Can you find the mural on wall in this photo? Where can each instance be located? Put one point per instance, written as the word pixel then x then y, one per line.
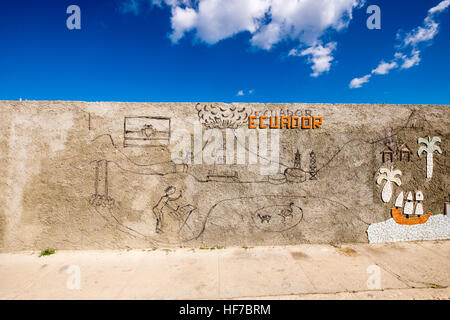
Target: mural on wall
pixel 222 116
pixel 177 216
pixel 146 131
pixel 219 202
pixel 272 216
pixel 278 218
pixel 116 181
pixel 409 221
pixel 403 153
pixel 110 209
pixel 412 211
pixel 429 147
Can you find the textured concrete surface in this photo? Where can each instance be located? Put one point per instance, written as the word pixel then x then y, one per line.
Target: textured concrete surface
pixel 414 270
pixel 98 175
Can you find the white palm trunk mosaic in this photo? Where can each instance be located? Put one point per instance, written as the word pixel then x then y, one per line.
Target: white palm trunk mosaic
pixel 390 175
pixel 429 147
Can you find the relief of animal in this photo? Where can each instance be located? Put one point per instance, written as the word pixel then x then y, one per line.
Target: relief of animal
pixel 265 218
pixel 287 212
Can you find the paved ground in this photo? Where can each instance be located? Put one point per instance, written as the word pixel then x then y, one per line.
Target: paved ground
pixel 415 270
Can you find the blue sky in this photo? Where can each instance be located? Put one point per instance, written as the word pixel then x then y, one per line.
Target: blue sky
pixel 227 51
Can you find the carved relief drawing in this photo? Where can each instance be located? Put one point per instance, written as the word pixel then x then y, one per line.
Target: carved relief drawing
pixel 195 174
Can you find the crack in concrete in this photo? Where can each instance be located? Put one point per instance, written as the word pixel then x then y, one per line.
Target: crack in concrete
pixel 407 282
pixel 435 252
pixel 307 278
pixel 334 292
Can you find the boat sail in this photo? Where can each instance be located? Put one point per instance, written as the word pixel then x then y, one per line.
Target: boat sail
pixel 419 209
pixel 419 206
pixel 399 200
pixel 411 207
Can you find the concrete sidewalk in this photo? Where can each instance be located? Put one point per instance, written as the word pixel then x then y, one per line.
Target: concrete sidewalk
pixel 415 270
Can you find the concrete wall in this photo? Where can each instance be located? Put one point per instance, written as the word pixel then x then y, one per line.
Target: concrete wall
pixel 78 175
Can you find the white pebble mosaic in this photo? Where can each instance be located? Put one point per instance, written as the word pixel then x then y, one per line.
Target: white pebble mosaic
pixel 436 228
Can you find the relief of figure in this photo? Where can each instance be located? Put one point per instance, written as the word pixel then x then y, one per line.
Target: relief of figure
pixel 101 197
pixel 167 207
pixel 162 203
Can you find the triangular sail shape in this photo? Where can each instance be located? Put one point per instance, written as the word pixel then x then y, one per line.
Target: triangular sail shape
pixel 419 196
pixel 399 200
pixel 409 208
pixel 419 209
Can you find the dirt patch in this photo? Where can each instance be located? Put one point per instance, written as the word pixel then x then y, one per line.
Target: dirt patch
pixel 297 255
pixel 349 252
pixel 200 287
pixel 397 247
pixel 375 250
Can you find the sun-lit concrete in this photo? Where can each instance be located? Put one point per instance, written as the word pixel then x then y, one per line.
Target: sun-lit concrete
pixel 415 270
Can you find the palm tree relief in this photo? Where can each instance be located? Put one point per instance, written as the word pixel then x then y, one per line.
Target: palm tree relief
pixel 429 147
pixel 390 175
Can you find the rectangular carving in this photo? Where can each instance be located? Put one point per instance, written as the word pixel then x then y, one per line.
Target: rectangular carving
pixel 146 131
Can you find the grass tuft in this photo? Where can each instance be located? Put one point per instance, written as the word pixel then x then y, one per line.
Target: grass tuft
pixel 47 252
pixel 212 248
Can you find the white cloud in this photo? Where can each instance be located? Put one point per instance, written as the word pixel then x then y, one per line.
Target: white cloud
pixel 411 61
pixel 440 7
pixel 412 40
pixel 384 67
pixel 319 56
pixel 358 82
pixel 182 20
pixel 421 34
pixel 430 27
pixel 242 92
pixel 268 22
pixel 215 20
pixel 293 52
pixel 304 21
